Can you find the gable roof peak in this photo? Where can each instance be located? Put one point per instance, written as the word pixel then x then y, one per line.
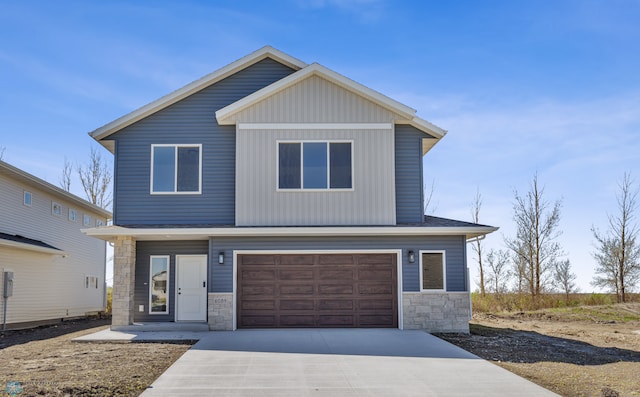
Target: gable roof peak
pixel 193 87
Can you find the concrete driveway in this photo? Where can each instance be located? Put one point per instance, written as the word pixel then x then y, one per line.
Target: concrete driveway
pixel 334 362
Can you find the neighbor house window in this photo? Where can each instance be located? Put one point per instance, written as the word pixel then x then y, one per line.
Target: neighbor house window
pixel 73 215
pixel 27 199
pixel 99 223
pixel 159 285
pixel 176 169
pixel 432 271
pixel 86 220
pixel 314 165
pixel 56 209
pixel 91 282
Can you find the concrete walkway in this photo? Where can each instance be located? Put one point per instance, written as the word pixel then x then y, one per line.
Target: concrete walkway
pixel 334 363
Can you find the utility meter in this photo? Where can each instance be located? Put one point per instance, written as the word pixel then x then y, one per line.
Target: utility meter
pixel 8 284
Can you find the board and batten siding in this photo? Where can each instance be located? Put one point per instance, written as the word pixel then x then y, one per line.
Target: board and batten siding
pixel 49 286
pixel 189 121
pixel 314 100
pixel 221 275
pixel 409 174
pixel 370 202
pixel 144 251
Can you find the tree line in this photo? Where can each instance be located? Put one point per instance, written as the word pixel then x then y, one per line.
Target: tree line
pixel 533 262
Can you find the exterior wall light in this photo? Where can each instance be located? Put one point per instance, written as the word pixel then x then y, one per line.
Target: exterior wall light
pixel 221 257
pixel 412 257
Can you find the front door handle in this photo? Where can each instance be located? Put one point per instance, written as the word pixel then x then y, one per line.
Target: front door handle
pixel 204 284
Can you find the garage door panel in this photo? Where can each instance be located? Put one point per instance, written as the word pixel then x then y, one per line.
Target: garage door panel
pixel 258 290
pixel 335 289
pixel 336 304
pixel 375 289
pixel 256 275
pixel 336 321
pixel 258 305
pixel 296 289
pixel 319 290
pixel 300 320
pixel 286 304
pixel 295 274
pixel 258 321
pixel 296 260
pixel 335 274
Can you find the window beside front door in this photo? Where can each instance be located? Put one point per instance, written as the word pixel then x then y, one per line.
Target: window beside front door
pixel 176 169
pixel 432 271
pixel 159 285
pixel 315 165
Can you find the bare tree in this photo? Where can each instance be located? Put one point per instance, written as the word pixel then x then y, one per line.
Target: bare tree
pixel 476 246
pixel 428 197
pixel 618 251
pixel 564 279
pixel 534 246
pixel 2 149
pixel 95 178
pixel 498 273
pixel 65 178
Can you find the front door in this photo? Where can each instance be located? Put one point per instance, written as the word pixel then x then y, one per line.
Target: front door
pixel 191 284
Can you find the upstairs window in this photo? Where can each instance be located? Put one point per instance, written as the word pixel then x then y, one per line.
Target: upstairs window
pixel 176 169
pixel 56 209
pixel 315 165
pixel 73 215
pixel 432 271
pixel 86 220
pixel 27 199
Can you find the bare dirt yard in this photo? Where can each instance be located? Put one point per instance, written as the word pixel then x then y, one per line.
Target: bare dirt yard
pixel 45 362
pixel 584 351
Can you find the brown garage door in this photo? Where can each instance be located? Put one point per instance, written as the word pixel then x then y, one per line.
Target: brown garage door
pixel 310 290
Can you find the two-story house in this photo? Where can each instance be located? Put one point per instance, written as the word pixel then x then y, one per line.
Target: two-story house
pixel 275 193
pixel 49 269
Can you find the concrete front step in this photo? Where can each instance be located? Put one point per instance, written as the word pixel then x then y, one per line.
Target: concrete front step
pixel 162 327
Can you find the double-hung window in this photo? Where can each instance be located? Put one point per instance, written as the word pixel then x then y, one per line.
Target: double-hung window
pixel 315 165
pixel 432 271
pixel 176 169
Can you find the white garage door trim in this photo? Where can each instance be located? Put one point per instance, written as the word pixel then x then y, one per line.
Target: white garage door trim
pixel 398 253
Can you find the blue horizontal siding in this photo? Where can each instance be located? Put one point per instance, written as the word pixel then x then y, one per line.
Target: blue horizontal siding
pixel 144 249
pixel 221 276
pixel 409 180
pixel 191 120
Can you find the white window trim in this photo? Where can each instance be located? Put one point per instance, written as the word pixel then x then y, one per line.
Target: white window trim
pixel 75 215
pixel 175 176
pixel 53 205
pixel 444 270
pixel 86 220
pixel 91 282
pixel 301 142
pixel 151 282
pixel 24 198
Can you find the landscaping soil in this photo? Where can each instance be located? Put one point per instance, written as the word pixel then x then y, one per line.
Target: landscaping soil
pixel 45 362
pixel 585 352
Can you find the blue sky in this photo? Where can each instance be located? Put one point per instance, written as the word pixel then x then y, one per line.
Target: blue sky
pixel 551 87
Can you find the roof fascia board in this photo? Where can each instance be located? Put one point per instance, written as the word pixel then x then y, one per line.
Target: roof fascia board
pixel 33 180
pixel 31 247
pixel 223 115
pixel 195 86
pixel 110 232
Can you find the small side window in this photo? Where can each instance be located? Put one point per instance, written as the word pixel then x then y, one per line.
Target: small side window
pixel 99 223
pixel 73 215
pixel 86 220
pixel 27 199
pixel 56 209
pixel 432 271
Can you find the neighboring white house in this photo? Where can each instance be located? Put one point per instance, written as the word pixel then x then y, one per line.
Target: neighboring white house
pixel 58 272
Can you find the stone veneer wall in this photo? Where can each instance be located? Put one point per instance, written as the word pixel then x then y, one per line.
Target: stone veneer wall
pixel 124 264
pixel 220 309
pixel 436 312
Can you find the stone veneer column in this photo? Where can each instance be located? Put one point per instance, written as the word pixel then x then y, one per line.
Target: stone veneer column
pixel 124 265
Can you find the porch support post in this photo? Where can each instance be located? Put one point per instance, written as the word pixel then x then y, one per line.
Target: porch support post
pixel 124 265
